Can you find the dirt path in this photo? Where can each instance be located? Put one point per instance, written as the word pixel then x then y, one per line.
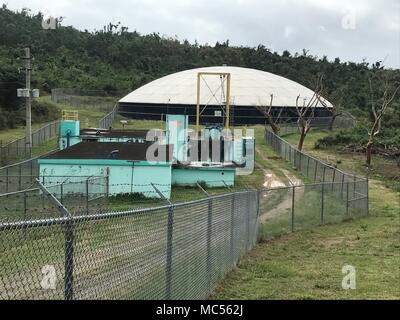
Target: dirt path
pixel 277 178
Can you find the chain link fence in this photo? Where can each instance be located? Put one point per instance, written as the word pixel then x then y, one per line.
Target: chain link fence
pixel 17 149
pixel 79 98
pixel 174 251
pixel 20 176
pixel 170 251
pixel 318 171
pixel 107 121
pixel 343 122
pixel 177 251
pixel 81 195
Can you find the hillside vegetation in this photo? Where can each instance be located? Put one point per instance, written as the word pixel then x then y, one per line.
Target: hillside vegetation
pixel 114 58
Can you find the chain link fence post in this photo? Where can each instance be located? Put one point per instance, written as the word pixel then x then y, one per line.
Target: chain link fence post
pixel 25 211
pixel 323 197
pixel 7 180
pixel 168 269
pixel 209 232
pixel 62 192
pixel 69 238
pixel 20 177
pixel 299 166
pixel 247 211
pixel 87 195
pixel 342 185
pixel 367 192
pixel 232 235
pixel 315 170
pixel 293 206
pixel 69 260
pixel 347 200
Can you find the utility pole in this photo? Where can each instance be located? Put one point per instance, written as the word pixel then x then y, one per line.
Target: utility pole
pixel 28 94
pixel 28 101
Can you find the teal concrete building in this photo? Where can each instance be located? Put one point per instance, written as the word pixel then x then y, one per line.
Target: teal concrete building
pixel 69 133
pixel 124 164
pixel 212 177
pixel 121 157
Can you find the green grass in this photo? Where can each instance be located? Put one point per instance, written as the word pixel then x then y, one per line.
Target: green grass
pixel 88 115
pixel 383 169
pixel 307 264
pixel 9 135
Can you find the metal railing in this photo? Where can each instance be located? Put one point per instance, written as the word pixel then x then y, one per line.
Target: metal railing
pixel 107 121
pixel 17 149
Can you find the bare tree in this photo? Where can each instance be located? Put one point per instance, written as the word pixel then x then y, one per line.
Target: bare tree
pixel 306 112
pixel 378 112
pixel 274 122
pixel 335 110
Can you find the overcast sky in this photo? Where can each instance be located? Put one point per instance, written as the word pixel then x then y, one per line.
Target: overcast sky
pixel 350 29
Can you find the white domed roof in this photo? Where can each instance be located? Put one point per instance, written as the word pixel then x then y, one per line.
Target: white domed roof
pixel 249 87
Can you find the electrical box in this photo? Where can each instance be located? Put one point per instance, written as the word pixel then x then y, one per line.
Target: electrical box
pixel 22 93
pixel 35 93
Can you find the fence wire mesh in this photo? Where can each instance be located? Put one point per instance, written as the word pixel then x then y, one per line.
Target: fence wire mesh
pixel 82 195
pixel 20 176
pixel 18 149
pixel 83 244
pixel 157 253
pixel 316 170
pixel 107 121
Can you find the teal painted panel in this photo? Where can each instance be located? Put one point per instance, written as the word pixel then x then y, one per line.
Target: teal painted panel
pixel 212 176
pixel 159 176
pixel 71 128
pixel 63 142
pixel 52 174
pixel 176 126
pixel 123 178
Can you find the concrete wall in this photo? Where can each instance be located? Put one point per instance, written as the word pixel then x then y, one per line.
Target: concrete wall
pixel 176 130
pixel 124 176
pixel 71 128
pixel 212 176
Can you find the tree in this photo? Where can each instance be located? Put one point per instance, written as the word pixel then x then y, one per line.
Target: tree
pixel 390 90
pixel 306 112
pixel 335 110
pixel 267 112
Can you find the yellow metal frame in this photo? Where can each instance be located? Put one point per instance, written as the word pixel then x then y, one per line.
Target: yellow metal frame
pixel 228 96
pixel 69 115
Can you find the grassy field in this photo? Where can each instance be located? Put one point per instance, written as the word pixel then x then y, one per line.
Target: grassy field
pixel 88 115
pixel 383 169
pixel 307 264
pixel 16 133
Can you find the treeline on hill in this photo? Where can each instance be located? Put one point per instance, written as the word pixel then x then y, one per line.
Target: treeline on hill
pixel 114 58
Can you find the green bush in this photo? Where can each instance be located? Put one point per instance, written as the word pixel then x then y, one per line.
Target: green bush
pixel 43 111
pixel 388 138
